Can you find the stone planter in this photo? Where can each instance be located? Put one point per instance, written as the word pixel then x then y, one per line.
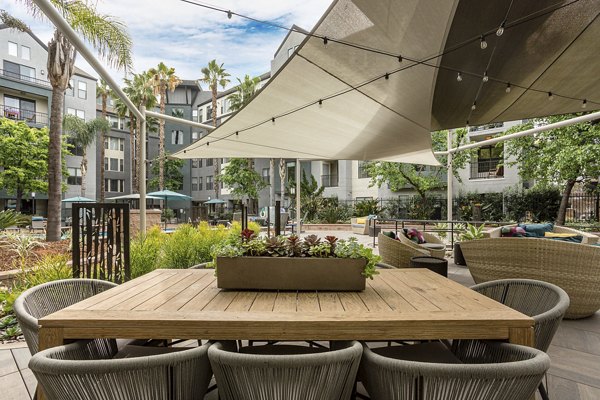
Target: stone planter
pixel 289 273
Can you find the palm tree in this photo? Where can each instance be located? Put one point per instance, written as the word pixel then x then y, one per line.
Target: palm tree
pixel 103 91
pixel 123 111
pixel 139 90
pixel 163 78
pixel 113 44
pixel 84 134
pixel 215 76
pixel 244 92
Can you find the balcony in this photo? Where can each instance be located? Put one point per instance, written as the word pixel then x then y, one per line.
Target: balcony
pixel 24 78
pixel 329 180
pixel 20 114
pixel 488 168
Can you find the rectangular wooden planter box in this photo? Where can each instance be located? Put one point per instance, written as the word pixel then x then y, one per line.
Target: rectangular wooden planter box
pixel 289 273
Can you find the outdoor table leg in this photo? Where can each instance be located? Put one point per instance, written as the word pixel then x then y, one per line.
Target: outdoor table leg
pixel 48 337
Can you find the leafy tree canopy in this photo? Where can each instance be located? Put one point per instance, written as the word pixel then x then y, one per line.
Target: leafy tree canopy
pixel 173 174
pixel 242 179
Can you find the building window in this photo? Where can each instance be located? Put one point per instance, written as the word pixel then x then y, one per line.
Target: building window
pixel 77 113
pixel 113 143
pixel 74 176
pixel 209 183
pixel 362 173
pixel 114 185
pixel 176 137
pixel 200 183
pixel 71 89
pixel 200 114
pixel 114 164
pixel 19 109
pixel 25 53
pixel 265 175
pixel 194 163
pixel 208 113
pixel 82 90
pixel 488 164
pixel 195 115
pixel 209 162
pixel 13 49
pixel 177 112
pixel 194 136
pixel 18 71
pixel 194 184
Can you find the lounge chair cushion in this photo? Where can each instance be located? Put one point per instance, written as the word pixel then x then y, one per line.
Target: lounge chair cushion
pixel 434 246
pixel 434 352
pixel 537 230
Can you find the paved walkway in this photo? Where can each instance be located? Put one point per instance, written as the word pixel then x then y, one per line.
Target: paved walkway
pixel 575 354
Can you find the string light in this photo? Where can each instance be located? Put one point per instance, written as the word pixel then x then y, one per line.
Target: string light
pixel 325 40
pixel 459 77
pixel 237 133
pixel 207 143
pixel 273 120
pixel 387 76
pixel 474 106
pixel 229 14
pixel 400 59
pixel 550 96
pixel 320 103
pixel 507 87
pixel 584 103
pixel 485 77
pixel 500 30
pixel 482 43
pixel 467 125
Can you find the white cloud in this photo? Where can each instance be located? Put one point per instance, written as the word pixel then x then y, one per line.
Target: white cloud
pixel 187 37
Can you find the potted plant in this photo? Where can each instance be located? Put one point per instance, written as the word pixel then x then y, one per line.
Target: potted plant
pixel 292 263
pixel 470 232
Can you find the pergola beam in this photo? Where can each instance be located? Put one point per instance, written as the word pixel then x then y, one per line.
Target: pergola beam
pixel 179 120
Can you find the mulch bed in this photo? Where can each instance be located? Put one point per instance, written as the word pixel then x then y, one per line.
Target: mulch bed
pixel 8 258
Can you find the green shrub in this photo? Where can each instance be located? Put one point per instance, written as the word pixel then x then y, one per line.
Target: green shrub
pixel 145 252
pixel 50 268
pixel 13 218
pixel 542 202
pixel 179 249
pixel 332 211
pixel 367 207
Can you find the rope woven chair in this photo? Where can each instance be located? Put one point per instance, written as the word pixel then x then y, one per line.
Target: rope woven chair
pixel 45 299
pixel 326 375
pixel 544 302
pixel 86 370
pixel 484 370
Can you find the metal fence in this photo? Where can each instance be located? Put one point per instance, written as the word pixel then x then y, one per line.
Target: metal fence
pixel 583 208
pixel 101 241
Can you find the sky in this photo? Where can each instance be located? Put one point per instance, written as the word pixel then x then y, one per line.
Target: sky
pixel 187 37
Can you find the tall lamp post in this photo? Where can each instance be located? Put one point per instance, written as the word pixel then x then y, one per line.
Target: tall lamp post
pixel 33 202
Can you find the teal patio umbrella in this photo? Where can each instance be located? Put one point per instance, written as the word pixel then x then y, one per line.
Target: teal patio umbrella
pixel 169 195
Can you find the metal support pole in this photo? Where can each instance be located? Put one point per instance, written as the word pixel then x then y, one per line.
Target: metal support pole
pixel 142 177
pixel 449 180
pixel 298 210
pixel 277 226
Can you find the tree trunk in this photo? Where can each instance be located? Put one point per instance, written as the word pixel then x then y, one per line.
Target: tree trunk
pixel 282 173
pixel 217 161
pixel 564 202
pixel 161 140
pixel 55 166
pixel 84 172
pixel 272 182
pixel 19 196
pixel 102 152
pixel 132 163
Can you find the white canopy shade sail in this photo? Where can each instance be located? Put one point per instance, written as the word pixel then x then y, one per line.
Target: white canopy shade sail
pixel 341 101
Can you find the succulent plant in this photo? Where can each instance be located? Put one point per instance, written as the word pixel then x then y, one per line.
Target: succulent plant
pixel 275 246
pixel 248 234
pixel 294 246
pixel 311 241
pixel 321 250
pixel 332 240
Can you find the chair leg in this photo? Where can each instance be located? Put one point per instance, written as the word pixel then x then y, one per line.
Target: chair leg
pixel 543 392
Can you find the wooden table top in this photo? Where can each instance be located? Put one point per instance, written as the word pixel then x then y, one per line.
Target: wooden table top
pixel 397 304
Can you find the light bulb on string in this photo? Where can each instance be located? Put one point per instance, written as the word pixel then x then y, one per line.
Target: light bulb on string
pixel 467 126
pixel 237 133
pixel 400 59
pixel 320 103
pixel 474 106
pixel 325 41
pixel 500 30
pixel 550 96
pixel 229 14
pixel 482 43
pixel 507 87
pixel 584 103
pixel 459 77
pixel 273 120
pixel 387 76
pixel 485 77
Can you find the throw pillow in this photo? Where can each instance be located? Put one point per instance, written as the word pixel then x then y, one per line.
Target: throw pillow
pixel 360 221
pixel 416 236
pixel 539 230
pixel 390 234
pixel 512 231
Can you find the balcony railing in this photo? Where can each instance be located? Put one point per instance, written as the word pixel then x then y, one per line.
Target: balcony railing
pixel 19 114
pixel 24 78
pixel 488 168
pixel 486 127
pixel 329 180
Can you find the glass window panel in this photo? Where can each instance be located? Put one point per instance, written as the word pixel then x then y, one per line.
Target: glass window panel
pixel 25 53
pixel 13 49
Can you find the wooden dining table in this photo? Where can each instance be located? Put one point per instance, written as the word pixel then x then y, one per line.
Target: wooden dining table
pixel 186 304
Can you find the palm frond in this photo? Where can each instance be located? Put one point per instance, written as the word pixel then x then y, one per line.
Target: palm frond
pixel 13 22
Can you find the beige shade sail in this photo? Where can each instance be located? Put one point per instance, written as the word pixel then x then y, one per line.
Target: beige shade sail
pixel 341 101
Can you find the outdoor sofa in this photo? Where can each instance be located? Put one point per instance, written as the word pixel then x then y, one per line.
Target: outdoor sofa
pixel 360 225
pixel 587 238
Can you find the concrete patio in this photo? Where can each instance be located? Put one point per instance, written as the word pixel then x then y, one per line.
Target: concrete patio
pixel 575 354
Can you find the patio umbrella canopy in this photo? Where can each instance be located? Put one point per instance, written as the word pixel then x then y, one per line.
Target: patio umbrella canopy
pixel 395 78
pixel 78 199
pixel 215 201
pixel 168 195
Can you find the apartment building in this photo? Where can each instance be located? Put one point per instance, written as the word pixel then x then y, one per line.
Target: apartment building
pixel 26 95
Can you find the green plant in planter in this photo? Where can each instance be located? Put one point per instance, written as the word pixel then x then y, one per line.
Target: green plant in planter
pixel 247 244
pixel 472 232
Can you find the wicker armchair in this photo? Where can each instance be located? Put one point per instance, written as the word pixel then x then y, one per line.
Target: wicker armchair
pixel 50 297
pixel 545 302
pixel 399 252
pixel 87 370
pixel 481 370
pixel 326 375
pixel 573 267
pixel 360 228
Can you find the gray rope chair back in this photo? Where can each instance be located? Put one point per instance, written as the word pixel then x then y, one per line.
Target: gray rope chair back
pixel 322 376
pixel 544 302
pixel 489 370
pixel 50 297
pixel 85 370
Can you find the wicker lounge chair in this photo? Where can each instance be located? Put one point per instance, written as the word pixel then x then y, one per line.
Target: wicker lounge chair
pixel 360 226
pixel 50 297
pixel 87 370
pixel 328 375
pixel 399 252
pixel 473 370
pixel 573 267
pixel 588 238
pixel 545 302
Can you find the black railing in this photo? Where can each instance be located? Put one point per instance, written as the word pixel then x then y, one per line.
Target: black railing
pixel 488 168
pixel 24 78
pixel 329 180
pixel 20 114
